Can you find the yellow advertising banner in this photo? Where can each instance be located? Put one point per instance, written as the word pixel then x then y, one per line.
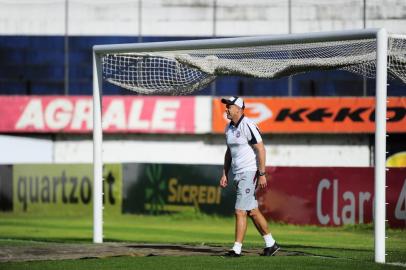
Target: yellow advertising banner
pixel 64 189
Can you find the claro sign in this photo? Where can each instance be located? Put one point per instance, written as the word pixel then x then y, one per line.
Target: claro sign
pixel 331 196
pixel 74 114
pixel 316 115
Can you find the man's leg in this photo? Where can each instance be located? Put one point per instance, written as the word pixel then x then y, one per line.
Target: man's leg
pixel 259 221
pixel 271 247
pixel 240 225
pixel 240 229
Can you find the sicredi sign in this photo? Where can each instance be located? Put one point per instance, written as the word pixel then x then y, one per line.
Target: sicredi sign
pixel 171 188
pixel 74 114
pixel 54 189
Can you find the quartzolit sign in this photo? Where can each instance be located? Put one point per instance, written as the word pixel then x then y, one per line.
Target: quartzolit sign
pixel 316 115
pixel 53 189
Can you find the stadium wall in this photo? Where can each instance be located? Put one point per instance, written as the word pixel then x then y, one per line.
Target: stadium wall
pixel 296 131
pixel 195 17
pixel 188 130
pixel 297 150
pixel 282 150
pixel 32 54
pixel 26 149
pixel 45 46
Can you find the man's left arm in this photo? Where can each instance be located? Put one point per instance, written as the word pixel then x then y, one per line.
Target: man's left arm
pixel 261 157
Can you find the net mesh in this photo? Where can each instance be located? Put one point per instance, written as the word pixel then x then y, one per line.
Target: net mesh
pixel 185 71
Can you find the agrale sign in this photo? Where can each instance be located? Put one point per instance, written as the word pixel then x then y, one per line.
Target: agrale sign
pixel 74 114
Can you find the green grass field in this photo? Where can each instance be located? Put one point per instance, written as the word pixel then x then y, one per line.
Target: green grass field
pixel 348 247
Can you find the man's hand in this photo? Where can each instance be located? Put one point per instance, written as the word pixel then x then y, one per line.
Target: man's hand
pixel 262 181
pixel 223 181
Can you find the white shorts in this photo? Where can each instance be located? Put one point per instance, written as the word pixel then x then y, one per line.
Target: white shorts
pixel 245 184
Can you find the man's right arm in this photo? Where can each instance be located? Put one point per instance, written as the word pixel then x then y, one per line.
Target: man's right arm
pixel 226 168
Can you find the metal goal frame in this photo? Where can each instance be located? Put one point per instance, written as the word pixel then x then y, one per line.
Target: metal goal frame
pixel 381 37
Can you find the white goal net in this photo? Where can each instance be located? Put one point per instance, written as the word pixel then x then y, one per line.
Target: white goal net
pixel 180 72
pixel 178 68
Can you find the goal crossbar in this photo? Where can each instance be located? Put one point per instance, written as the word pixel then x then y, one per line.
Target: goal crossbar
pixel 218 43
pixel 379 35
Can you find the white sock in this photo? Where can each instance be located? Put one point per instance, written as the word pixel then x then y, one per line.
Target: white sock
pixel 269 241
pixel 237 247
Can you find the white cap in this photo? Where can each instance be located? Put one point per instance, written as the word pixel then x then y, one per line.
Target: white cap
pixel 234 101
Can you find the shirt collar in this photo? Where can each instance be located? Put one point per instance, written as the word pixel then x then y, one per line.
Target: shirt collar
pixel 238 123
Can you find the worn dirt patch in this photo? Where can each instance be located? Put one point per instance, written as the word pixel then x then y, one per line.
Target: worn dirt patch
pixel 56 251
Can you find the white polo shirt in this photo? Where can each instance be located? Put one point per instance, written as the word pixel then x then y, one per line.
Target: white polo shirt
pixel 240 138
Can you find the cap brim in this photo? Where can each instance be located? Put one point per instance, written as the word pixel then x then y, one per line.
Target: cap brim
pixel 226 101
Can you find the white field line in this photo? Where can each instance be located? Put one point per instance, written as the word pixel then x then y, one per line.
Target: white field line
pixel 397 264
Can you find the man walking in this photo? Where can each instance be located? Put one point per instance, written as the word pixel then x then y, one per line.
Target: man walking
pixel 246 156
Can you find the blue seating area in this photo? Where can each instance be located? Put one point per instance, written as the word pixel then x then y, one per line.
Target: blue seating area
pixel 35 65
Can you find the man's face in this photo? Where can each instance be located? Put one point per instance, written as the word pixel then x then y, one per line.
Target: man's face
pixel 232 111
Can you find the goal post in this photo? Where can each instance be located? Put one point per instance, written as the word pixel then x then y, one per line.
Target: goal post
pixel 189 71
pixel 380 145
pixel 97 150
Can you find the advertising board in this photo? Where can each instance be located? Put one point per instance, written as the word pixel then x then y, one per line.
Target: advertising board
pixel 74 114
pixel 67 189
pixel 174 188
pixel 316 114
pixel 330 196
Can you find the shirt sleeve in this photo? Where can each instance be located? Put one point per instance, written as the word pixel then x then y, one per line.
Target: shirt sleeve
pixel 252 133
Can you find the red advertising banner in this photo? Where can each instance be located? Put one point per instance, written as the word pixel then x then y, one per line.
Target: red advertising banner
pixel 316 115
pixel 330 196
pixel 74 114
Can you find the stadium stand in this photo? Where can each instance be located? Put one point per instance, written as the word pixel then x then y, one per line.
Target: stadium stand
pixel 34 65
